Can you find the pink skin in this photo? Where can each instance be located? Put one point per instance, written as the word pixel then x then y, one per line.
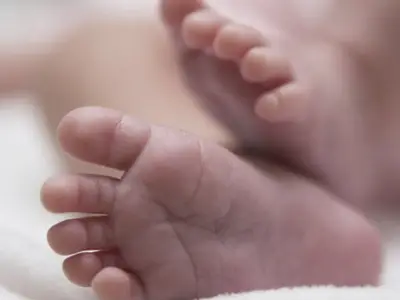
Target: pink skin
pixel 297 84
pixel 324 79
pixel 303 90
pixel 189 219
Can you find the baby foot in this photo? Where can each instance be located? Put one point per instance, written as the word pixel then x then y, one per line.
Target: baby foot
pixel 264 72
pixel 275 72
pixel 189 219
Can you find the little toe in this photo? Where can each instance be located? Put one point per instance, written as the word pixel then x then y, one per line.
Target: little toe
pixel 200 28
pixel 233 41
pixel 113 283
pixel 174 11
pixel 266 66
pixel 78 235
pixel 103 136
pixel 79 194
pixel 285 104
pixel 82 268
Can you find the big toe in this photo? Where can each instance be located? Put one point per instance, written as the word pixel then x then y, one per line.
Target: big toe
pixel 103 136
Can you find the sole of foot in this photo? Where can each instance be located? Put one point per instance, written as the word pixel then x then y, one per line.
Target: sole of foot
pixel 189 219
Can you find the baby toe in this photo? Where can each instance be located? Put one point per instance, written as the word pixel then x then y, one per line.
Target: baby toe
pixel 103 136
pixel 264 65
pixel 79 193
pixel 234 40
pixel 200 28
pixel 78 235
pixel 113 283
pixel 285 104
pixel 82 268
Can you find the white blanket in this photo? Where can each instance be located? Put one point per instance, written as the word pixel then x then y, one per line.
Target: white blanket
pixel 29 270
